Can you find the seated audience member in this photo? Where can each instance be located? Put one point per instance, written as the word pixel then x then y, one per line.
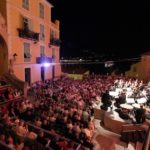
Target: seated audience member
pixel 12 113
pixel 69 146
pixel 1 98
pixel 38 122
pixel 53 144
pixel 62 144
pixel 85 116
pixel 88 143
pixel 16 125
pixel 31 135
pixel 2 137
pixel 21 130
pixel 11 142
pixel 16 93
pixel 19 145
pixel 41 139
pixel 10 95
pixel 91 126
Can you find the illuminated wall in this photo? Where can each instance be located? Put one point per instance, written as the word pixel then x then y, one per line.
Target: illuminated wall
pixel 36 14
pixel 141 69
pixel 144 67
pixel 55 34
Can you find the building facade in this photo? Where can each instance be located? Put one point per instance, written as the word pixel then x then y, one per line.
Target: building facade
pixel 141 69
pixel 30 39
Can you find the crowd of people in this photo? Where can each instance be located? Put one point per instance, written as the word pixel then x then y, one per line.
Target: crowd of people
pixel 55 117
pixel 20 135
pixel 63 107
pixel 8 92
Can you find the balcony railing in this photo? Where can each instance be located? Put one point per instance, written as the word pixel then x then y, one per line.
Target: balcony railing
pixel 55 42
pixel 28 34
pixel 40 60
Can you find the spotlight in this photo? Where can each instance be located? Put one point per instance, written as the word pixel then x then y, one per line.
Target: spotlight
pixel 46 64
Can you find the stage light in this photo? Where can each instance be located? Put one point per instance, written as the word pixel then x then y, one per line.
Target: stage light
pixel 46 64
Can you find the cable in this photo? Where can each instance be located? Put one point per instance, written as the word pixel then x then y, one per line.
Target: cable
pixel 97 62
pixel 80 61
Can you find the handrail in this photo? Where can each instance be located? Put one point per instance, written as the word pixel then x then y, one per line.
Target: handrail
pixel 3 87
pixel 14 100
pixel 134 127
pixel 48 132
pixel 55 134
pixel 146 144
pixel 28 34
pixel 6 147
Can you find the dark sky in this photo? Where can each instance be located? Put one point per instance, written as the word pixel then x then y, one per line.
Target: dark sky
pixel 121 27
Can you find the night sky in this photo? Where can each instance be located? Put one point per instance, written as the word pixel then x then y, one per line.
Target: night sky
pixel 96 27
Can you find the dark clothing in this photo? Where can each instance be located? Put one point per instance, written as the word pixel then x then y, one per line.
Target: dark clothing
pixel 41 140
pixel 106 100
pixel 140 115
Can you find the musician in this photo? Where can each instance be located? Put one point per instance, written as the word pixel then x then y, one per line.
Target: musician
pixel 140 115
pixel 106 101
pixel 148 100
pixel 121 99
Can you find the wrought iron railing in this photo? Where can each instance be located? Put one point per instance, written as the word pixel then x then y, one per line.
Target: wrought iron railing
pixel 28 34
pixel 55 42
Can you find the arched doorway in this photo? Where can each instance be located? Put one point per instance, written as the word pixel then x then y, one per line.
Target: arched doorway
pixel 3 56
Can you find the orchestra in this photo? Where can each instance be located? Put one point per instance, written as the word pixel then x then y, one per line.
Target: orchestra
pixel 130 98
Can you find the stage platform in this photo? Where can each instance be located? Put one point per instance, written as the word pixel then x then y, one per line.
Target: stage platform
pixel 110 119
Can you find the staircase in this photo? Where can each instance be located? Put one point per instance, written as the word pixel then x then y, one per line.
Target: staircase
pixel 136 136
pixel 14 81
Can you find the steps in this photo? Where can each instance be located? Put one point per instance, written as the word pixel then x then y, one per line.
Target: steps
pixel 14 81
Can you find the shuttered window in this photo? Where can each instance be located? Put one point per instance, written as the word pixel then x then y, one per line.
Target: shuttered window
pixel 25 4
pixel 41 7
pixel 27 55
pixel 42 51
pixel 42 35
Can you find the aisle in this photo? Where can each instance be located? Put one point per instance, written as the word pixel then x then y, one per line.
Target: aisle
pixel 106 140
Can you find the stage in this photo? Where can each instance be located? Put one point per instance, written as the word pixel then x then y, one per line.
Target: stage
pixel 110 119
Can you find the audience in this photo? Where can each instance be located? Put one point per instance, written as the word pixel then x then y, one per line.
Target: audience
pixel 63 107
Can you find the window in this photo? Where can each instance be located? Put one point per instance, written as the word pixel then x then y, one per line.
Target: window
pixel 42 36
pixel 52 34
pixel 50 15
pixel 53 52
pixel 41 10
pixel 28 75
pixel 25 4
pixel 27 55
pixel 42 51
pixel 27 23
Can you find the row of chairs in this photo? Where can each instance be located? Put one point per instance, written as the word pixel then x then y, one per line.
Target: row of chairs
pixel 8 131
pixel 133 136
pixel 33 144
pixel 49 134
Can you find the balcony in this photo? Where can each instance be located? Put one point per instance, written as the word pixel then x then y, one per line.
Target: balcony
pixel 40 60
pixel 55 42
pixel 27 34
